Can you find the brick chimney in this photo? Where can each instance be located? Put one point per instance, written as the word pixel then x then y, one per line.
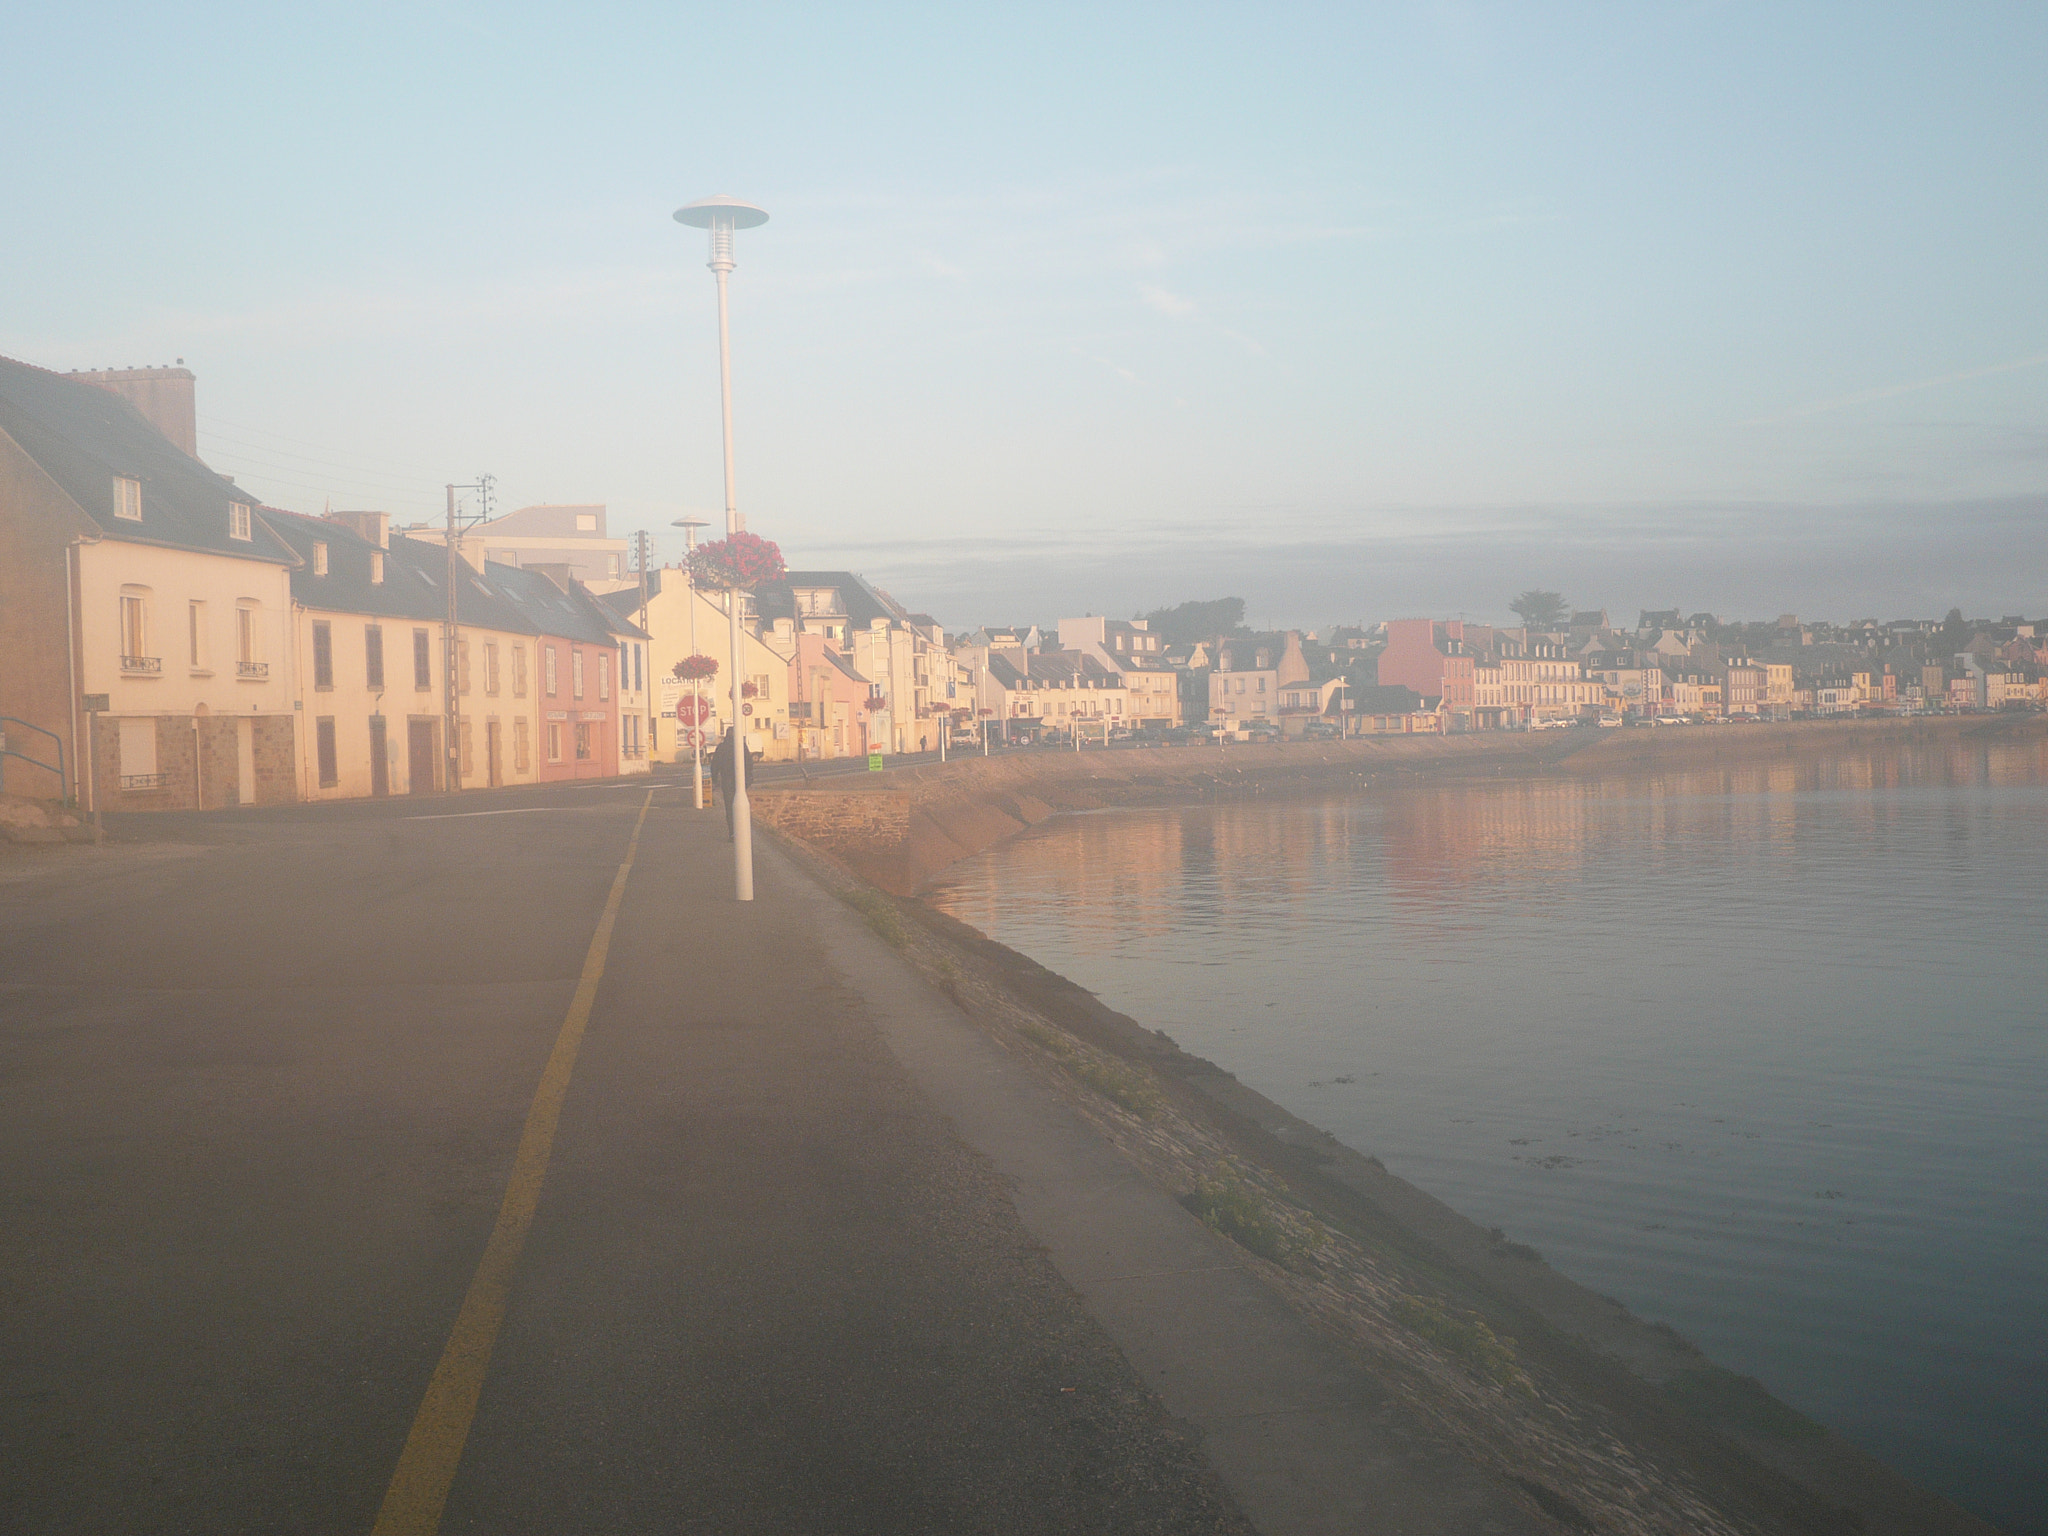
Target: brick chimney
pixel 163 395
pixel 559 573
pixel 373 526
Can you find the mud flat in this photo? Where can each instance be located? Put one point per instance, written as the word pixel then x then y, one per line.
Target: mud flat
pixel 932 815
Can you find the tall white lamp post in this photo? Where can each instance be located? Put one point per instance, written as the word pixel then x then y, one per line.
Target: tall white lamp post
pixel 722 215
pixel 690 525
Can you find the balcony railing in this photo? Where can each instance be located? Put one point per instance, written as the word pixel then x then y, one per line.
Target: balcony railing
pixel 145 781
pixel 253 669
pixel 142 666
pixel 632 754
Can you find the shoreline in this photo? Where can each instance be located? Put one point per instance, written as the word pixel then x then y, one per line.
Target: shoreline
pixel 900 828
pixel 1687 1429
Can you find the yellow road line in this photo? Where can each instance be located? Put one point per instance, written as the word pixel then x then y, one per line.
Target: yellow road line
pixel 426 1468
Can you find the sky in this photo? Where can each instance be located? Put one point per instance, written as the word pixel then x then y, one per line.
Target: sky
pixel 1352 311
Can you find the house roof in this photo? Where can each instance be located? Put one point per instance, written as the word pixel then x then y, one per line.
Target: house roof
pixel 84 437
pixel 572 615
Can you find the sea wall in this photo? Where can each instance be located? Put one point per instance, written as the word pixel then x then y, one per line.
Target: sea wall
pixel 901 827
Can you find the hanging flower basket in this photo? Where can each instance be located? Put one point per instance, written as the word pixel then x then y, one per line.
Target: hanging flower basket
pixel 740 560
pixel 692 667
pixel 874 702
pixel 750 690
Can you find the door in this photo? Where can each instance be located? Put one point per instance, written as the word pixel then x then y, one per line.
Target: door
pixel 245 761
pixel 380 758
pixel 419 751
pixel 493 755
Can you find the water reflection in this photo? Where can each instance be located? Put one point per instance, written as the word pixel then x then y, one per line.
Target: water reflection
pixel 1760 1048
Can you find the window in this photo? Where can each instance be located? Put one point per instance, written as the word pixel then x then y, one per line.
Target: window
pixel 422 662
pixel 373 656
pixel 195 633
pixel 586 522
pixel 249 639
pixel 575 671
pixel 519 750
pixel 319 558
pixel 323 746
pixel 377 567
pixel 518 671
pixel 462 665
pixel 128 499
pixel 582 741
pixel 462 738
pixel 491 667
pixel 639 678
pixel 604 676
pixel 135 629
pixel 323 660
pixel 554 741
pixel 238 520
pixel 548 655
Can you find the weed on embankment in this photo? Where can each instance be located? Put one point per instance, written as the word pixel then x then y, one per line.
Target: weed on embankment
pixel 1121 1085
pixel 879 914
pixel 1465 1336
pixel 1228 1205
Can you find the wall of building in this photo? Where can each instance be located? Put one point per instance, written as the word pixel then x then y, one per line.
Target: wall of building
pixel 37 525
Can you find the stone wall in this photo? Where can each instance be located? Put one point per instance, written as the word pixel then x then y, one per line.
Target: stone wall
pixel 863 821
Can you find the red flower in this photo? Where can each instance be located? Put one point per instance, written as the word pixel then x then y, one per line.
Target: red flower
pixel 696 666
pixel 750 690
pixel 742 560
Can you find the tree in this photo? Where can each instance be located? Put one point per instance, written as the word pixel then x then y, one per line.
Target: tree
pixel 1540 609
pixel 1192 621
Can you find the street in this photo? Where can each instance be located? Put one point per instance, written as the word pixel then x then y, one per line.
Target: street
pixel 262 1079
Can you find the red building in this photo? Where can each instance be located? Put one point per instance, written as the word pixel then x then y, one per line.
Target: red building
pixel 1432 659
pixel 578 681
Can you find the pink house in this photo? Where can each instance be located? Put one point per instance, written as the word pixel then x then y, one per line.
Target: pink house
pixel 1430 658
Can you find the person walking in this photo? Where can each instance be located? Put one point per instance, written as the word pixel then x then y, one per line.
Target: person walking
pixel 722 772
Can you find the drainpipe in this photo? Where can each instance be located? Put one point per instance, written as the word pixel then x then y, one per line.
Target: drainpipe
pixel 71 672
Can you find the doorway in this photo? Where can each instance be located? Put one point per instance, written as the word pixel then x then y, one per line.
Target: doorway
pixel 245 761
pixel 494 758
pixel 380 759
pixel 420 755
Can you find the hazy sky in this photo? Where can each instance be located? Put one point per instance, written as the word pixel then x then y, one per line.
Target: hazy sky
pixel 1351 311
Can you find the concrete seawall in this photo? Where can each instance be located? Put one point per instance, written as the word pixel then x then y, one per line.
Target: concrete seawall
pixel 899 828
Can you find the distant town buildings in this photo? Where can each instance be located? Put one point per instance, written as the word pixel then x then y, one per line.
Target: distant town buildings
pixel 169 641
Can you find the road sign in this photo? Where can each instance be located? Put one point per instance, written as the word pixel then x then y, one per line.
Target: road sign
pixel 874 762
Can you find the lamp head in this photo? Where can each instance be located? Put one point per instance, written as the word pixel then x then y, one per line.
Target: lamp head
pixel 720 212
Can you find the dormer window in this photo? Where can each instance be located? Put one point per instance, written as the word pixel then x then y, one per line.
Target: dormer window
pixel 319 559
pixel 238 520
pixel 377 567
pixel 127 499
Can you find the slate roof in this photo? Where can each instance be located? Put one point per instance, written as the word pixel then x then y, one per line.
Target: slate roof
pixel 571 615
pixel 864 604
pixel 84 437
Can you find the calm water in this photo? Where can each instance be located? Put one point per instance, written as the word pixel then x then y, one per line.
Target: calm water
pixel 1763 1051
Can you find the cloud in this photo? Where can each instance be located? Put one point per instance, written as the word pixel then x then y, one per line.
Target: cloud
pixel 1170 304
pixel 1892 391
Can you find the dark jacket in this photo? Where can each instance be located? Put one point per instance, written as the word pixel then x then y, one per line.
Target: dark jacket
pixel 721 762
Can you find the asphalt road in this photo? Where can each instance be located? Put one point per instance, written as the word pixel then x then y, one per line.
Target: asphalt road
pixel 262 1078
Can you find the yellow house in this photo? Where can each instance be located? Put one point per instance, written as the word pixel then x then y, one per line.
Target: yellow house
pixel 136 580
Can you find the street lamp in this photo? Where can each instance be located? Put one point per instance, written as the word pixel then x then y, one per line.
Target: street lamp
pixel 723 215
pixel 690 525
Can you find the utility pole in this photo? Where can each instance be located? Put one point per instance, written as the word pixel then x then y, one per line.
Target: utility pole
pixel 451 635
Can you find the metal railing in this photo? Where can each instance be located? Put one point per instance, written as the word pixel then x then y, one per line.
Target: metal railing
pixel 143 666
pixel 257 669
pixel 6 751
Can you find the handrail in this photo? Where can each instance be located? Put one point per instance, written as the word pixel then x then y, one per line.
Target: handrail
pixel 63 781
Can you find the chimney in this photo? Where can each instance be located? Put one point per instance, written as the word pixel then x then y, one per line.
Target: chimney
pixel 163 395
pixel 373 526
pixel 557 572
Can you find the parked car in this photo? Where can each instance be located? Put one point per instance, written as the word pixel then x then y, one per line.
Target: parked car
pixel 1323 730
